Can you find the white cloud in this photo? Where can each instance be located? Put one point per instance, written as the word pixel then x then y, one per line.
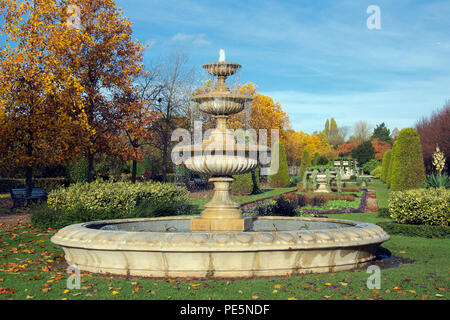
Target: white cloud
pixel 196 39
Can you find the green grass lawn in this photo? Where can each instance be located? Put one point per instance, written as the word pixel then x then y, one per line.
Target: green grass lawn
pixel 31 267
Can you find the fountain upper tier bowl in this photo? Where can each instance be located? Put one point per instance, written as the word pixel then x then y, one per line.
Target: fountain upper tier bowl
pixel 166 247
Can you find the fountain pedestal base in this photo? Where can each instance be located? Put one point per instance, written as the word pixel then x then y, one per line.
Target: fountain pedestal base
pixel 202 224
pixel 221 213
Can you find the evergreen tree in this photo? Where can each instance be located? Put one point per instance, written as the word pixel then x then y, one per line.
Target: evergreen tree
pixel 408 169
pixel 281 178
pixel 382 133
pixel 363 153
pixel 316 159
pixel 305 162
pixel 389 169
pixel 385 165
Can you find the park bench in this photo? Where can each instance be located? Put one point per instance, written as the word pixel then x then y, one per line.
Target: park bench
pixel 21 197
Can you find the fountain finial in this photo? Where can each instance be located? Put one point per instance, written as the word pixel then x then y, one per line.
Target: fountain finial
pixel 222 55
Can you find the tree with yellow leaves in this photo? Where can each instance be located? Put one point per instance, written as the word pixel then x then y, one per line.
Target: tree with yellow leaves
pixel 263 113
pixel 107 60
pixel 41 118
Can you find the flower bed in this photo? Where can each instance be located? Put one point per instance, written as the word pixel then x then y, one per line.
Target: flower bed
pixel 299 201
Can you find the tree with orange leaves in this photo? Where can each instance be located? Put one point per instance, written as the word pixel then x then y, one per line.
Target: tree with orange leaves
pixel 42 120
pixel 135 121
pixel 345 149
pixel 380 147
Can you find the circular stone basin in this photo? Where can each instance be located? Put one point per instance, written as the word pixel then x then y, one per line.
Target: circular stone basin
pixel 165 247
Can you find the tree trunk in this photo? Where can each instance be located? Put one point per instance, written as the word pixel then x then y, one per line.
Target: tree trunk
pixel 29 171
pixel 90 172
pixel 164 164
pixel 255 183
pixel 133 171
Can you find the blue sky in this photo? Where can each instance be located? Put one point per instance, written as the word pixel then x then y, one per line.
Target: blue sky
pixel 317 58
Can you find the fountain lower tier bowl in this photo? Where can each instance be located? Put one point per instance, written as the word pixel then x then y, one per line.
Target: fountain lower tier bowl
pixel 220 165
pixel 165 247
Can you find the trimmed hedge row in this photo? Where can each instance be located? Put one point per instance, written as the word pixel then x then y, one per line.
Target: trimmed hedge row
pixel 421 206
pixel 409 230
pixel 122 196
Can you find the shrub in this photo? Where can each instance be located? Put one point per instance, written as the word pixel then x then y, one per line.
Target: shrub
pixel 370 165
pixel 408 170
pixel 294 180
pixel 120 196
pixel 242 183
pixel 281 178
pixel 383 213
pixel 385 165
pixel 437 181
pixel 421 206
pixel 376 173
pixel 265 209
pixel 283 207
pixel 322 161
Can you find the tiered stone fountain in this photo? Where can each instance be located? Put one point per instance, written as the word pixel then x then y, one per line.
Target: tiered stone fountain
pixel 220 243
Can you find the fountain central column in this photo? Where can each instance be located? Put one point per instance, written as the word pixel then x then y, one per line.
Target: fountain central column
pixel 221 157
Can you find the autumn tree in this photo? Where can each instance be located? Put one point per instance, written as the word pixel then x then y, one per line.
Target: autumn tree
pixel 107 60
pixel 264 113
pixel 333 133
pixel 135 121
pixel 345 149
pixel 380 147
pixel 435 130
pixel 41 118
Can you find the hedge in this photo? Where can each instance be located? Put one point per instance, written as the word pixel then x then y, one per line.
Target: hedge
pixel 421 206
pixel 122 196
pixel 410 230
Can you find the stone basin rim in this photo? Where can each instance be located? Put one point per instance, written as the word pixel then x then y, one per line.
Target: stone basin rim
pixel 83 237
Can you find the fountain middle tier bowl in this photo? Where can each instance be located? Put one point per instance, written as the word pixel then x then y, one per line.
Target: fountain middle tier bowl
pixel 221 103
pixel 165 247
pixel 220 165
